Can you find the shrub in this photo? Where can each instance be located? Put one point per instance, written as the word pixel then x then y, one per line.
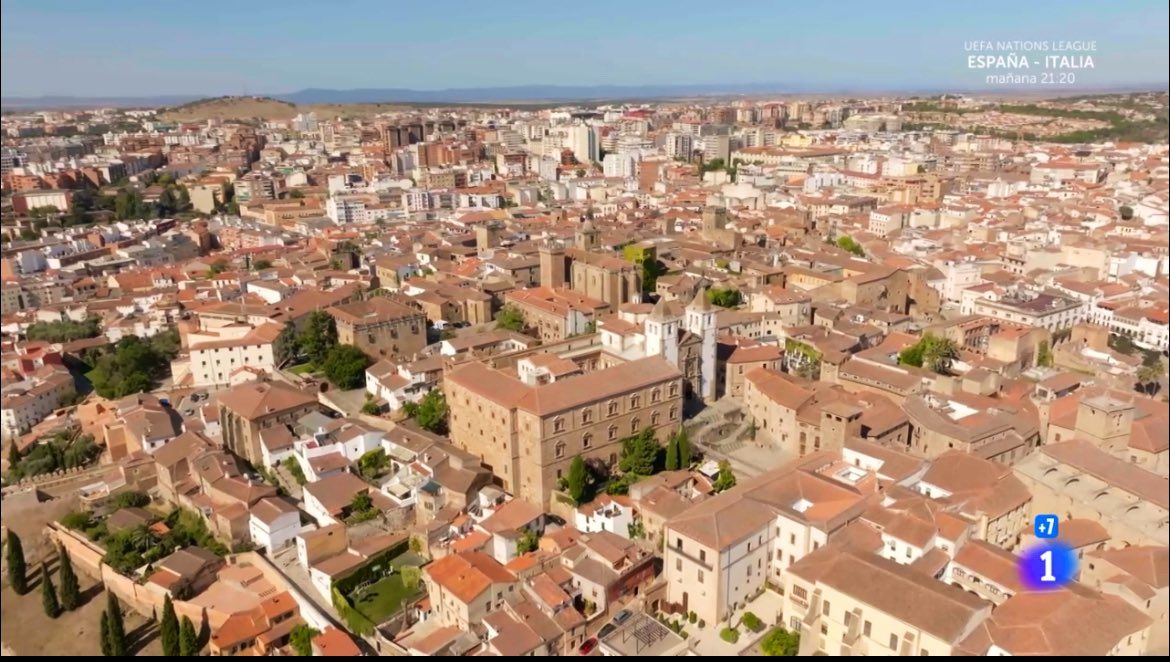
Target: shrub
pixel 730 635
pixel 780 643
pixel 693 617
pixel 752 622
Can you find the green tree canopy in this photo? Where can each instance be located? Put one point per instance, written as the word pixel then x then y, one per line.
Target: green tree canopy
pixel 169 628
pixel 188 639
pixel 529 541
pixel 319 336
pixel 640 453
pixel 851 245
pixel 64 331
pixel 301 639
pixel 726 478
pixel 510 318
pixel 132 367
pixel 431 412
pixel 49 593
pixel 780 643
pixel 17 570
pixel 935 352
pixel 345 366
pixel 578 480
pixel 724 297
pixel 70 587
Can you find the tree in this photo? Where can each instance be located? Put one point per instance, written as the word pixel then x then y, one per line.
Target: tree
pixel 169 628
pixel 849 244
pixel 1126 212
pixel 372 463
pixel 684 449
pixel 285 347
pixel 935 352
pixel 1044 355
pixel 345 366
pixel 529 541
pixel 319 336
pixel 17 571
pixel 1149 375
pixel 780 643
pixel 726 478
pixel 49 593
pixel 510 318
pixel 301 639
pixel 362 503
pixel 131 368
pixel 724 297
pixel 218 267
pixel 70 587
pixel 105 634
pixel 117 629
pixel 431 412
pixel 672 453
pixel 651 270
pixel 188 639
pixel 260 265
pixel 578 480
pixel 639 453
pixel 64 331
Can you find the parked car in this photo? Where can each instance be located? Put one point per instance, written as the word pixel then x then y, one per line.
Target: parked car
pixel 606 630
pixel 622 616
pixel 587 647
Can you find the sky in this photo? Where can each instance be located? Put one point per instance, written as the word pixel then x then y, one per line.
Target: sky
pixel 133 48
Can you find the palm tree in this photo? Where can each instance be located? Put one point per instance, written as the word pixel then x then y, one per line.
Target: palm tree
pixel 1149 375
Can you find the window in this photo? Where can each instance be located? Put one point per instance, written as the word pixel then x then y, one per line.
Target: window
pixel 867 628
pixel 612 432
pixel 612 408
pixel 654 418
pixel 825 608
pixel 587 440
pixel 678 564
pixel 558 424
pixel 703 555
pixel 560 449
pixel 635 400
pixel 673 390
pixel 699 577
pixel 635 425
pixel 587 416
pixel 673 413
pixel 893 642
pixel 799 592
pixel 655 395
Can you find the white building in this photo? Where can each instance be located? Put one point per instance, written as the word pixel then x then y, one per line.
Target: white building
pixel 214 355
pixel 605 513
pixel 274 524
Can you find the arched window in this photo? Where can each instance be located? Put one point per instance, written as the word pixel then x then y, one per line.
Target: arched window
pixel 673 413
pixel 635 425
pixel 673 390
pixel 558 424
pixel 587 416
pixel 635 400
pixel 560 449
pixel 587 440
pixel 612 432
pixel 655 395
pixel 654 419
pixel 612 407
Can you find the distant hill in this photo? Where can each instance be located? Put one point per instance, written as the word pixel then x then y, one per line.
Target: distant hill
pixel 230 108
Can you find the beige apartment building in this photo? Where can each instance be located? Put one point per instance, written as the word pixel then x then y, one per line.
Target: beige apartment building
pixel 380 327
pixel 528 432
pixel 722 551
pixel 849 602
pixel 247 409
pixel 464 588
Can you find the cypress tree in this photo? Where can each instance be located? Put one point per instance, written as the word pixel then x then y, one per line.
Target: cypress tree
pixel 672 453
pixel 169 629
pixel 17 572
pixel 106 634
pixel 49 594
pixel 70 588
pixel 684 449
pixel 188 639
pixel 117 626
pixel 578 479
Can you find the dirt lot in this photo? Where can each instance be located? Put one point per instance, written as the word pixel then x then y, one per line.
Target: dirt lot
pixel 27 631
pixel 27 517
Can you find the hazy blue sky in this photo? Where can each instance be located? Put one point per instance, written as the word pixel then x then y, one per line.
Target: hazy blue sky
pixel 127 47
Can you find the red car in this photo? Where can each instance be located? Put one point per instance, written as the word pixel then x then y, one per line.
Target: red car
pixel 587 647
